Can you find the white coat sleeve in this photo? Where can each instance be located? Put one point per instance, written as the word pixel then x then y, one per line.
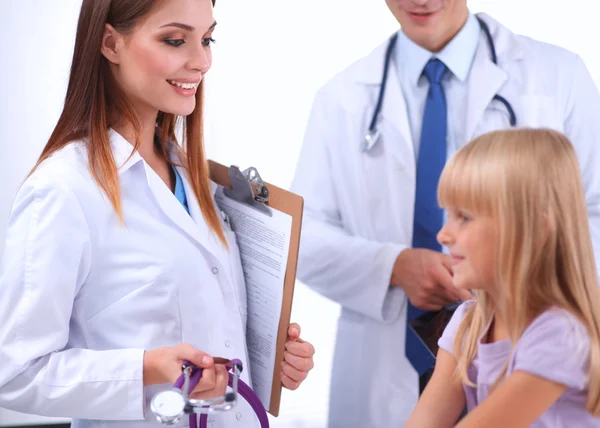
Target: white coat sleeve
pixel 46 260
pixel 582 126
pixel 350 270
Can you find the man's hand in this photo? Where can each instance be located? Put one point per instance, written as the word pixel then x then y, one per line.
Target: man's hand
pixel 426 278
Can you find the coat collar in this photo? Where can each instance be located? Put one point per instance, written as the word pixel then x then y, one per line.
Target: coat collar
pixel 123 153
pixel 486 79
pixel 509 47
pixel 192 224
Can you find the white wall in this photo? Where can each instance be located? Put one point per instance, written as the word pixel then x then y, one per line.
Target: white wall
pixel 271 57
pixel 36 42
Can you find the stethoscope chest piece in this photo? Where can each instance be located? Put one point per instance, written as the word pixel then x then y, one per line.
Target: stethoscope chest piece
pixel 371 138
pixel 171 405
pixel 168 406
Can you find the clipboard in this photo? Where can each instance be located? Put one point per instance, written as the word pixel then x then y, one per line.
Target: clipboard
pixel 248 188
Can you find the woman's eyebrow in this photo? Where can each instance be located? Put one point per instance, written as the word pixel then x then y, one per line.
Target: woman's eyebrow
pixel 187 27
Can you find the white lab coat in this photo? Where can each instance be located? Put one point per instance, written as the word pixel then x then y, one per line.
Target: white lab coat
pixel 83 296
pixel 359 206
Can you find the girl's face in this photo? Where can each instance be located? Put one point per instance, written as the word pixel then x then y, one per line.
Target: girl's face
pixel 473 242
pixel 160 64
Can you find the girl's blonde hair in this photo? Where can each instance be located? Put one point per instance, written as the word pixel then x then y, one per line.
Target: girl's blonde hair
pixel 530 182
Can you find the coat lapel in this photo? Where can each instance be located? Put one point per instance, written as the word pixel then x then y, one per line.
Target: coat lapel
pixel 393 110
pixel 193 224
pixel 189 224
pixel 488 79
pixel 485 82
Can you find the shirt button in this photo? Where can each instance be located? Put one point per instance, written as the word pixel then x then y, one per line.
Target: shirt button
pixel 238 416
pixel 215 270
pixel 227 343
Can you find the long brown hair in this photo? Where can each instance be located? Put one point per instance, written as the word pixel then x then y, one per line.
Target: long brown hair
pixel 94 99
pixel 529 181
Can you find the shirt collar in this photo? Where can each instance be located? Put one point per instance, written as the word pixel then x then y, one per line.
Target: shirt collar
pixel 457 55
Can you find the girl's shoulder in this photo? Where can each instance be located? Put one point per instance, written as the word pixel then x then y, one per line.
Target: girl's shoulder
pixel 556 324
pixel 555 346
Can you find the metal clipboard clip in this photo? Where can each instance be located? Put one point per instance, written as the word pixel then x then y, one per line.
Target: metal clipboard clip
pixel 248 188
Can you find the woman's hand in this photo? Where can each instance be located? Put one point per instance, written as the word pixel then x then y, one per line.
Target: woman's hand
pixel 163 365
pixel 298 359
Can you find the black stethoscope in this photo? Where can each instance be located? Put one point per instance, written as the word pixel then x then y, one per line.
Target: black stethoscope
pixel 373 133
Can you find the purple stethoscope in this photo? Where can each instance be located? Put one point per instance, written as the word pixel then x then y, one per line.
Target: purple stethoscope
pixel 171 405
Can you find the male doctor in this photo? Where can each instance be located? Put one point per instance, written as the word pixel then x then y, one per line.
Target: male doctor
pixel 371 211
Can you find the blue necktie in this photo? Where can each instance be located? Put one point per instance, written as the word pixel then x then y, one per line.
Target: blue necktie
pixel 429 217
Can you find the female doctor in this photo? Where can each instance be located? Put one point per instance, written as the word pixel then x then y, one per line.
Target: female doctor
pixel 117 265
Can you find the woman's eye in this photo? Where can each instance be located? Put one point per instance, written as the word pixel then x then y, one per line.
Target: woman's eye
pixel 175 42
pixel 207 41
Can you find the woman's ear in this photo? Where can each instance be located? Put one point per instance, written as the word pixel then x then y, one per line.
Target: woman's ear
pixel 111 44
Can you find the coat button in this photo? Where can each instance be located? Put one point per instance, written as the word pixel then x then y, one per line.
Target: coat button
pixel 215 270
pixel 227 343
pixel 238 416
